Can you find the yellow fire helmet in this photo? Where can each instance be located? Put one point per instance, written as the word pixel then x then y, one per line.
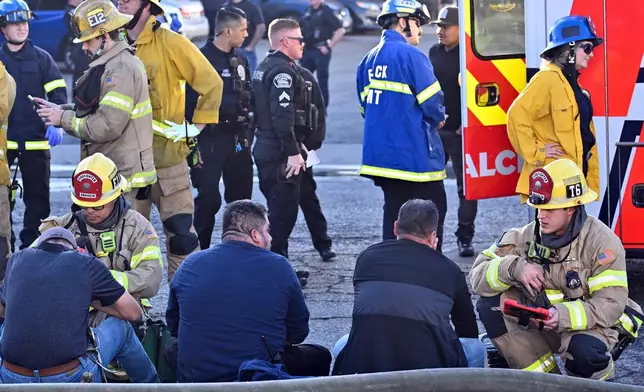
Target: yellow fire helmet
pixel 93 18
pixel 96 181
pixel 559 184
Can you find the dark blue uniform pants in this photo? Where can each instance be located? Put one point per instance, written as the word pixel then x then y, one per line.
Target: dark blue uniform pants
pixel 314 60
pixel 35 171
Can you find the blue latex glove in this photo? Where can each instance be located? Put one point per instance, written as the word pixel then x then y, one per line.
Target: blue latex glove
pixel 175 25
pixel 55 135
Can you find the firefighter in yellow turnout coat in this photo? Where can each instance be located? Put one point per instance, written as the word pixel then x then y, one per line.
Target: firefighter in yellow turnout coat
pixel 170 59
pixel 7 98
pixel 107 227
pixel 112 112
pixel 565 261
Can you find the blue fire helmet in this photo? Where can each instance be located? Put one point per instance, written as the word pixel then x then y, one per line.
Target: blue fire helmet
pixel 571 29
pixel 403 9
pixel 15 11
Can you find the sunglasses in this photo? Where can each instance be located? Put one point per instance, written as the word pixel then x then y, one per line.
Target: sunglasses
pixel 587 48
pixel 97 208
pixel 301 39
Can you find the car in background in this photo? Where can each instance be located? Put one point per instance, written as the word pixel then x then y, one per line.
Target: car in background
pixel 364 13
pixel 294 9
pixel 191 15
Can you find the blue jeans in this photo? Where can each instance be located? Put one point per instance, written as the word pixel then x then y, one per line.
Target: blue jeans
pixel 252 61
pixel 474 350
pixel 115 340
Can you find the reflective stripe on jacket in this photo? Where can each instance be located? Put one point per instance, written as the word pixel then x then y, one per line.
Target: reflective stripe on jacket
pixel 137 263
pixel 169 59
pixel 546 112
pixel 121 128
pixel 402 104
pixel 36 74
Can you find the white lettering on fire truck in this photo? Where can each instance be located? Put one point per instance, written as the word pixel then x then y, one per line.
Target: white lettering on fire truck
pixel 502 164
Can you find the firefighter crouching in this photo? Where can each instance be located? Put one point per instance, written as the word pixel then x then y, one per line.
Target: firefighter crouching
pixel 169 59
pixel 112 112
pixel 569 263
pixel 107 227
pixel 7 98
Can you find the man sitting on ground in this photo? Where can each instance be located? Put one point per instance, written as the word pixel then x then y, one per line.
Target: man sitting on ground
pixel 405 292
pixel 46 293
pixel 238 301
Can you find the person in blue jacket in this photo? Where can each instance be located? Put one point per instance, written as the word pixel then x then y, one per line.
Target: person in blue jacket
pixel 402 104
pixel 28 139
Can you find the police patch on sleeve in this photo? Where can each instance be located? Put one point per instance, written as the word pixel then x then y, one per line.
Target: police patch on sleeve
pixel 283 80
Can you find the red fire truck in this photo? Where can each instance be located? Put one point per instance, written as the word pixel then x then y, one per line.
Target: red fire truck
pixel 501 41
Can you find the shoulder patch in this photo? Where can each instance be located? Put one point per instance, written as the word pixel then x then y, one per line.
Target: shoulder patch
pixel 606 256
pixel 151 233
pixel 283 80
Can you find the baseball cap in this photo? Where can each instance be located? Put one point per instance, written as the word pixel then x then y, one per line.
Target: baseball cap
pixel 447 16
pixel 57 233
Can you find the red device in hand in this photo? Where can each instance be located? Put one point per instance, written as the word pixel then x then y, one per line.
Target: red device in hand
pixel 515 309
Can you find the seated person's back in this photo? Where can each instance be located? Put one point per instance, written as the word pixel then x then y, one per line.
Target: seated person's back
pixel 47 292
pixel 225 300
pixel 405 292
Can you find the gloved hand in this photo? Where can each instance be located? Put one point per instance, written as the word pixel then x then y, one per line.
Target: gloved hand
pixel 176 24
pixel 55 135
pixel 178 132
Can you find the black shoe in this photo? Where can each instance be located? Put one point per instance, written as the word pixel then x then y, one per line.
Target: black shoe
pixel 303 282
pixel 302 276
pixel 327 254
pixel 465 248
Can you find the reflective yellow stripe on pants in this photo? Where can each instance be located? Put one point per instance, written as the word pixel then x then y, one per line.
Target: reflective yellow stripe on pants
pixel 544 364
pixel 33 145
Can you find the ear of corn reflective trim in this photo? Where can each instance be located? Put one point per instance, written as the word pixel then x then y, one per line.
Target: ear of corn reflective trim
pixel 142 109
pixel 554 296
pixel 577 313
pixel 428 92
pixel 608 278
pixel 402 175
pixel 120 277
pixel 54 84
pixel 386 86
pixel 141 179
pixel 35 145
pixel 492 273
pixel 118 101
pixel 544 364
pixel 145 302
pixel 361 110
pixel 610 371
pixel 149 253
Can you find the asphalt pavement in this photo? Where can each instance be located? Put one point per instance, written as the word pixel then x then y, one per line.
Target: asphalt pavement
pixel 353 207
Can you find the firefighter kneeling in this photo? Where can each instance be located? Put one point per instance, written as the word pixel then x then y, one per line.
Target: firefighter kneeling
pixel 571 265
pixel 107 227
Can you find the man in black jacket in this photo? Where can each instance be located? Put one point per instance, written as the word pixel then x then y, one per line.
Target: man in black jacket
pixel 224 147
pixel 405 293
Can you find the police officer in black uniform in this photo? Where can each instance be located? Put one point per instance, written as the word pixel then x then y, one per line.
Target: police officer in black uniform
pixel 322 30
pixel 285 117
pixel 28 139
pixel 224 147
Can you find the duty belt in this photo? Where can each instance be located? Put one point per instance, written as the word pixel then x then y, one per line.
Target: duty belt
pixel 51 371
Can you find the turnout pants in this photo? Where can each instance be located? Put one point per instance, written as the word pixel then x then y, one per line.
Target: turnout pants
pixel 315 61
pixel 5 230
pixel 220 157
pixel 172 196
pixel 467 209
pixel 585 353
pixel 398 192
pixel 35 169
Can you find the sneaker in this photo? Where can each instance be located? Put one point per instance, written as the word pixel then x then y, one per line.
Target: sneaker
pixel 465 248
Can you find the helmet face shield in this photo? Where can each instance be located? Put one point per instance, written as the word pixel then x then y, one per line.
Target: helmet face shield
pixel 18 16
pixel 73 27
